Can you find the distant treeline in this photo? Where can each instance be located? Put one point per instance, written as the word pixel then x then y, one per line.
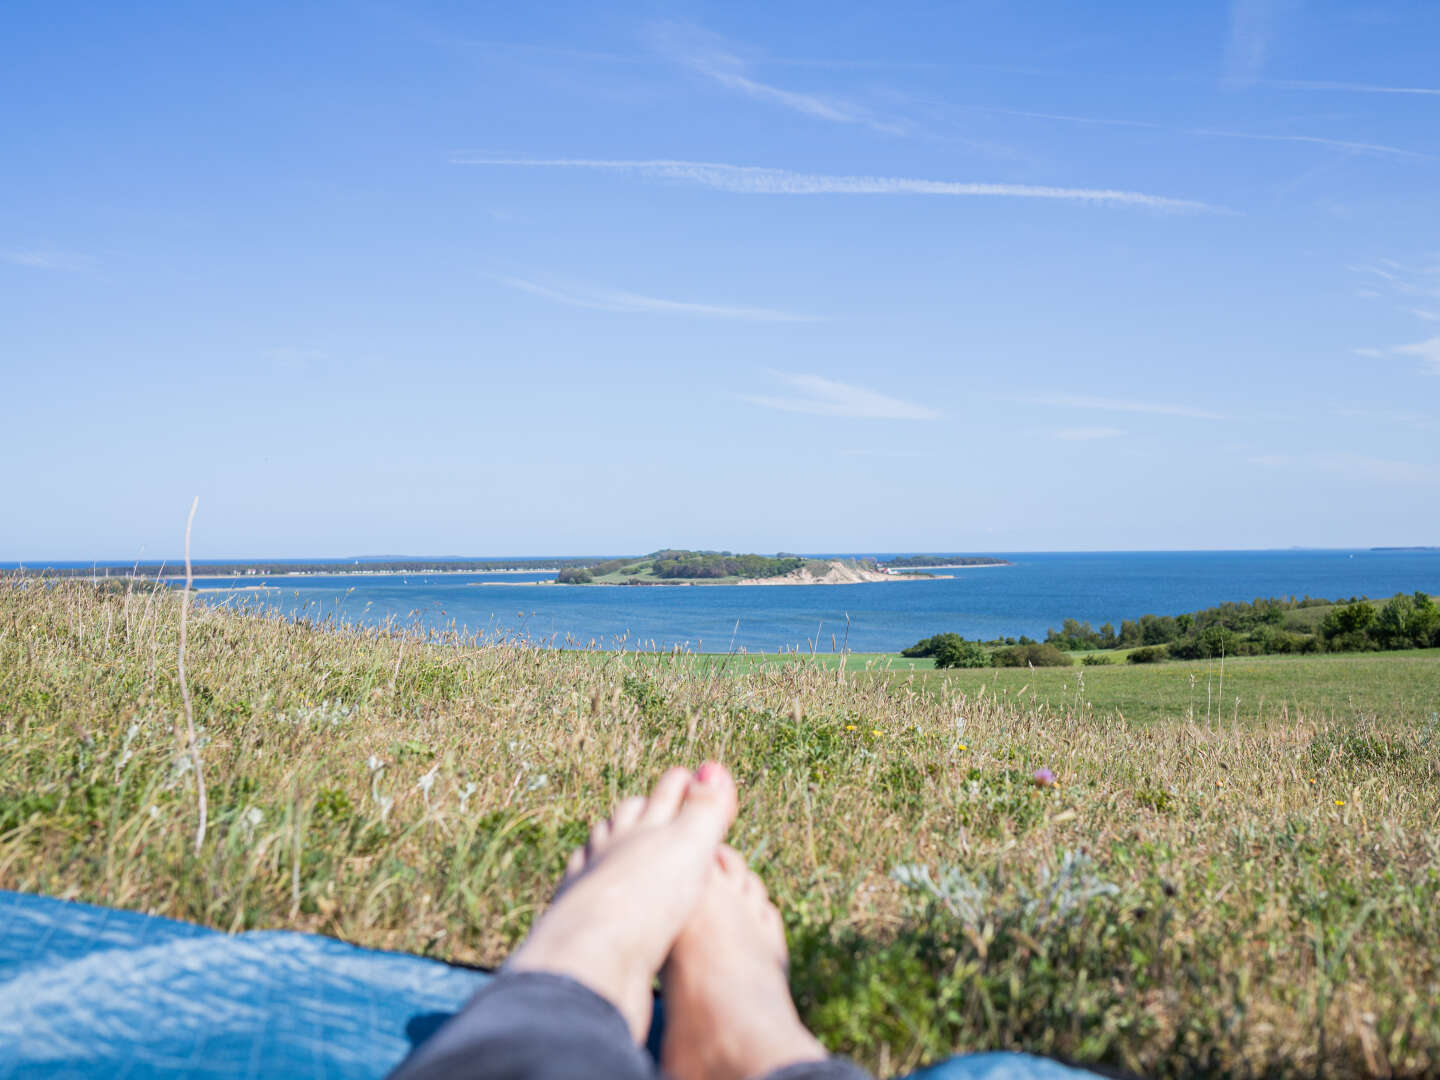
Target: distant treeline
pixel 699 565
pixel 675 564
pixel 1265 626
pixel 902 561
pixel 1261 627
pixel 226 569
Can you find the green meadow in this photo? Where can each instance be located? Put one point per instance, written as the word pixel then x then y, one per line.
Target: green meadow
pixel 1237 879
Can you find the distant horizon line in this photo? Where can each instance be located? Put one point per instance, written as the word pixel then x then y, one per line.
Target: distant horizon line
pixel 871 552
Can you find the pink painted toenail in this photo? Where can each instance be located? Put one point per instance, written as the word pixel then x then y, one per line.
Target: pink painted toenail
pixel 707 772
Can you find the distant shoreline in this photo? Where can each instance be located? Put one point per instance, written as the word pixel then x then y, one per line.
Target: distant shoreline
pixel 676 583
pixel 334 573
pixel 957 566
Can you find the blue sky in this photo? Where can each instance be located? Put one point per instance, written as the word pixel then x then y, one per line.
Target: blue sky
pixel 483 278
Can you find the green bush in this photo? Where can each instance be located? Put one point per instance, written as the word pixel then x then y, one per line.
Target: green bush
pixel 1096 659
pixel 1347 622
pixel 1036 654
pixel 930 645
pixel 1407 622
pixel 1150 654
pixel 956 652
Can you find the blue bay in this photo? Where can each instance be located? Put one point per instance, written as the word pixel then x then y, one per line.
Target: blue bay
pixel 1034 593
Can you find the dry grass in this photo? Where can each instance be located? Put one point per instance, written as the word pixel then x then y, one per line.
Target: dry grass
pixel 1251 900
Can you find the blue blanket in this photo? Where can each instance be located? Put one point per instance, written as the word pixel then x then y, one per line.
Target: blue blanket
pixel 89 992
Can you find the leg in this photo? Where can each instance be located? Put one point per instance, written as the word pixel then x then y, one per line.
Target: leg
pixel 530 1026
pixel 728 1011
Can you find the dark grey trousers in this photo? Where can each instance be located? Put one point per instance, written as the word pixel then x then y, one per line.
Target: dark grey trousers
pixel 536 1026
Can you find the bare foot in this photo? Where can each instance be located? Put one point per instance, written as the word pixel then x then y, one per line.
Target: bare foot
pixel 628 892
pixel 728 1012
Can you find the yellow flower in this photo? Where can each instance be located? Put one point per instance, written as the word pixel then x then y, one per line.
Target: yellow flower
pixel 849 727
pixel 876 731
pixel 1312 781
pixel 1339 802
pixel 964 747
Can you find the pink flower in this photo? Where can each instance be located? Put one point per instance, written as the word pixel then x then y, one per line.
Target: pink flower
pixel 1044 778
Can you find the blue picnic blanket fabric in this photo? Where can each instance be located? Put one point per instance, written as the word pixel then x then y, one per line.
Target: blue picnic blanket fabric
pixel 89 992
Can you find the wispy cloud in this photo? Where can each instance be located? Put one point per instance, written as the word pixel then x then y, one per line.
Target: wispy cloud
pixel 1086 434
pixel 1414 281
pixel 753 180
pixel 628 302
pixel 710 55
pixel 1069 118
pixel 1358 88
pixel 1390 417
pixel 1316 140
pixel 1355 467
pixel 48 260
pixel 1405 284
pixel 1346 145
pixel 1427 351
pixel 826 397
pixel 1104 404
pixel 1410 418
pixel 1252 26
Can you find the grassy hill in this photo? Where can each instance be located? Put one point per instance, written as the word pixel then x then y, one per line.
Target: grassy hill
pixel 1256 895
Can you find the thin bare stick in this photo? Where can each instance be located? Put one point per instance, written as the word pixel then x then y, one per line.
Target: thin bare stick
pixel 185 688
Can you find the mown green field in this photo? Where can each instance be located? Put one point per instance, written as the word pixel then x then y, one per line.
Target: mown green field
pixel 1257 896
pixel 1403 685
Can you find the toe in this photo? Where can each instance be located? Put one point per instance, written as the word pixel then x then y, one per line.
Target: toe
pixel 664 801
pixel 627 813
pixel 575 863
pixel 730 862
pixel 599 839
pixel 754 888
pixel 710 803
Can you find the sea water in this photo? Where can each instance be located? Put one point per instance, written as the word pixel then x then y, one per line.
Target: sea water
pixel 1032 594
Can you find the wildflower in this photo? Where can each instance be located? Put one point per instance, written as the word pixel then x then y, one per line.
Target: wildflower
pixel 849 727
pixel 962 746
pixel 427 782
pixel 386 802
pixel 1312 781
pixel 374 764
pixel 1044 778
pixel 249 821
pixel 876 731
pixel 1339 802
pixel 465 796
